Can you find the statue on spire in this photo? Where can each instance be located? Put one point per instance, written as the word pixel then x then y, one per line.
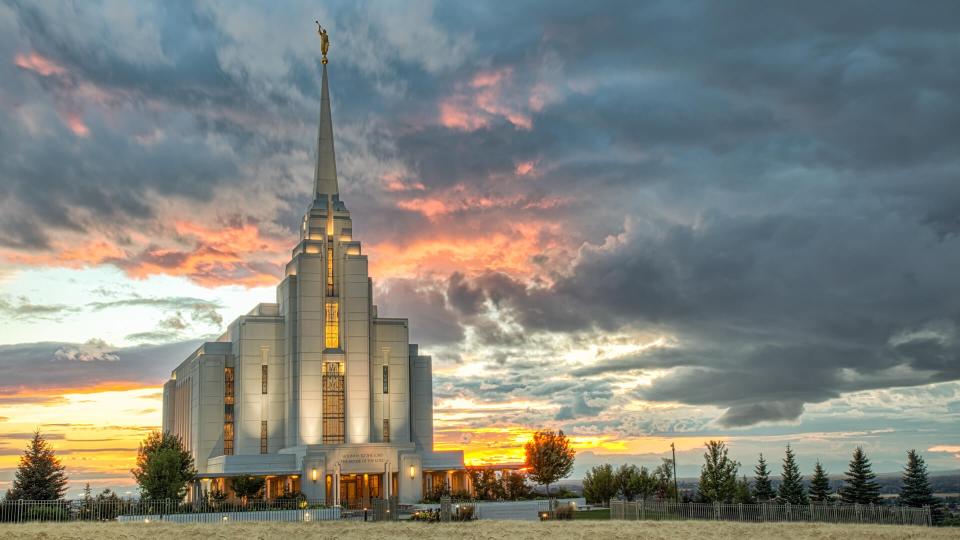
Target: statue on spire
pixel 324 41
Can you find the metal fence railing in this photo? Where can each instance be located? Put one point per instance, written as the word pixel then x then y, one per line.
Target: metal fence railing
pixel 20 511
pixel 771 512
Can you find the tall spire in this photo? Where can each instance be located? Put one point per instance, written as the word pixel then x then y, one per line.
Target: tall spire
pixel 325 175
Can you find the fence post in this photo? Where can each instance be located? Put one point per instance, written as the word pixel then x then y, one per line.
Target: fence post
pixel 789 512
pixel 740 510
pixel 927 515
pixel 716 511
pixel 643 509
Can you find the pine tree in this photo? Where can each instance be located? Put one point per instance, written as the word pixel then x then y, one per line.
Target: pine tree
pixel 718 476
pixel 791 486
pixel 859 485
pixel 40 475
pixel 743 494
pixel 762 488
pixel 915 489
pixel 819 484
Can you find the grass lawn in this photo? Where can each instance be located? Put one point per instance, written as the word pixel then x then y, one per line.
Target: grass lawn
pixel 477 530
pixel 596 513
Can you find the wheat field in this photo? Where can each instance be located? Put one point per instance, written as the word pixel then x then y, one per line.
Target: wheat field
pixel 478 530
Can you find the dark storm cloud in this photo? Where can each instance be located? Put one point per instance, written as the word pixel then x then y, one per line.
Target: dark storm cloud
pixel 40 366
pixel 788 174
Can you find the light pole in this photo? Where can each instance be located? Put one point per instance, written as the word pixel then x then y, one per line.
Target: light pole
pixel 676 487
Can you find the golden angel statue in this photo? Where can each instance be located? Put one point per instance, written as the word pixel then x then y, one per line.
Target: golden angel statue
pixel 324 41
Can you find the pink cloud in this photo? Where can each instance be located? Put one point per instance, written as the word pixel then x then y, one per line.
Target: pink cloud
pixel 488 95
pixel 39 64
pixel 76 125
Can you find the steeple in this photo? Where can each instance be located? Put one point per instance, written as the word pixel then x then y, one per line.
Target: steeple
pixel 325 175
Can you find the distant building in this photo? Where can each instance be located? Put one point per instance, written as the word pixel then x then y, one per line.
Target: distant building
pixel 316 393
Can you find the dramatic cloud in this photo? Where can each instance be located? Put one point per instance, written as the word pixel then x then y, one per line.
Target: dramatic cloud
pixel 621 219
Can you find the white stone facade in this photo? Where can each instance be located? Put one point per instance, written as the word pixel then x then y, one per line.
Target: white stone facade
pixel 310 409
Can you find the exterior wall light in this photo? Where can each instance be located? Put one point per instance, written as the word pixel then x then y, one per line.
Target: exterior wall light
pixel 313 474
pixel 413 471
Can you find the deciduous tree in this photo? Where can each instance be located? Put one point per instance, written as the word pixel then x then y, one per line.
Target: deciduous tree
pixel 628 481
pixel 247 487
pixel 164 467
pixel 600 484
pixel 549 457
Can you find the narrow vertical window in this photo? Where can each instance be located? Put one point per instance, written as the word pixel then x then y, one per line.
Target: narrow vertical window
pixel 333 403
pixel 332 325
pixel 386 379
pixel 228 407
pixel 330 289
pixel 263 436
pixel 263 379
pixel 386 430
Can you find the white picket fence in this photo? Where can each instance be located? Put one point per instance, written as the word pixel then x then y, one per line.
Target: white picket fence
pixel 771 512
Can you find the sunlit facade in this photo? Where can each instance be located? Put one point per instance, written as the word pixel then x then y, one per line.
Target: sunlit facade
pixel 315 392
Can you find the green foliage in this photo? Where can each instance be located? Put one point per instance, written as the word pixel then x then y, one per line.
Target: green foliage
pixel 744 494
pixel 718 476
pixel 514 486
pixel 860 484
pixel 40 476
pixel 663 475
pixel 600 484
pixel 762 487
pixel 164 467
pixel 819 484
pixel 649 484
pixel 627 478
pixel 247 487
pixel 915 489
pixel 485 483
pixel 549 457
pixel 791 485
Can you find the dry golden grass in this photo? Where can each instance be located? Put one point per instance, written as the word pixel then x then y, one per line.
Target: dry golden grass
pixel 485 530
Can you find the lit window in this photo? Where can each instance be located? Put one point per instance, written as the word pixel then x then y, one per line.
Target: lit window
pixel 332 325
pixel 386 379
pixel 263 379
pixel 228 403
pixel 263 437
pixel 330 289
pixel 228 438
pixel 333 403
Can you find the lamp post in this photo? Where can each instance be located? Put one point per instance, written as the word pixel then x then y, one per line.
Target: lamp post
pixel 386 479
pixel 676 487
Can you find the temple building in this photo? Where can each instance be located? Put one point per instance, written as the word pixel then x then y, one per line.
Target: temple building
pixel 316 393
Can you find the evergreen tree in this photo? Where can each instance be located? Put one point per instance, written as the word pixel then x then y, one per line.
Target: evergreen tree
pixel 819 484
pixel 915 489
pixel 164 467
pixel 40 475
pixel 791 484
pixel 600 484
pixel 762 488
pixel 549 457
pixel 718 476
pixel 743 493
pixel 860 484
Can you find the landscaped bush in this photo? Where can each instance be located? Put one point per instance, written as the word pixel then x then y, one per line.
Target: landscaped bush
pixel 563 512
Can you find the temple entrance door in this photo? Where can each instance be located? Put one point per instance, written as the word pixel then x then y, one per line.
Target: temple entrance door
pixel 357 490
